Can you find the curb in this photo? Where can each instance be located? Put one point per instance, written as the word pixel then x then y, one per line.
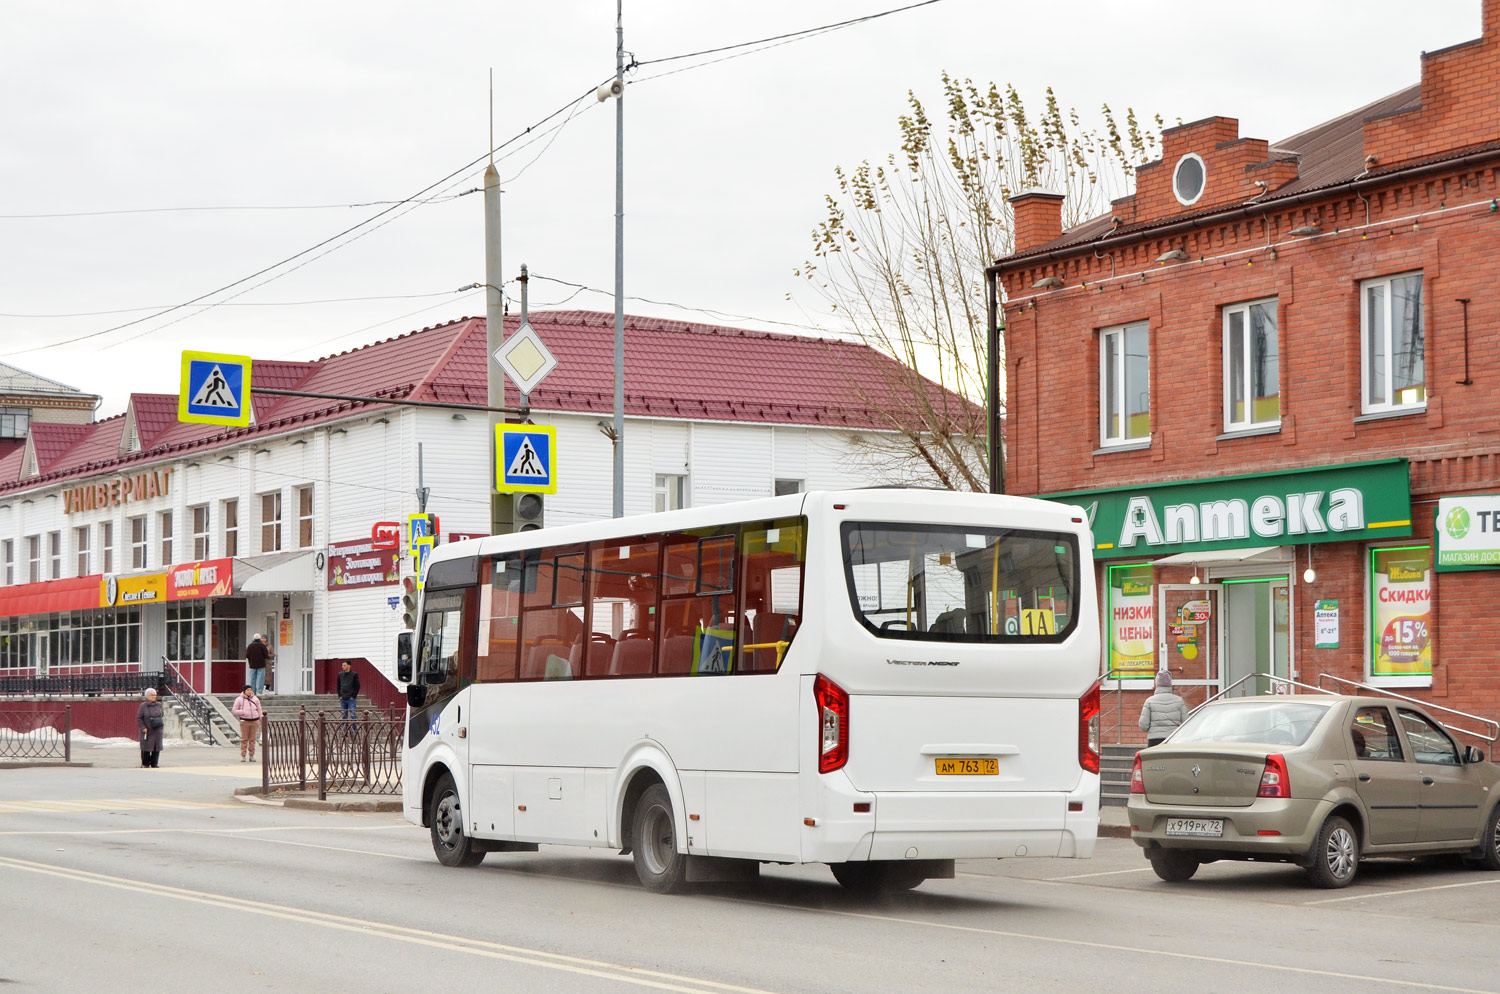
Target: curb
pixel 252 795
pixel 39 765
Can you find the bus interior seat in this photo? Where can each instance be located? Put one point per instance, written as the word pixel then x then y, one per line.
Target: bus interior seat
pixel 766 628
pixel 536 658
pixel 632 656
pixel 677 654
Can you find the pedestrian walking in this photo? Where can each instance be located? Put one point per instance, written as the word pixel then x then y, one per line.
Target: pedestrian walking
pixel 348 689
pixel 151 719
pixel 258 655
pixel 1163 711
pixel 247 708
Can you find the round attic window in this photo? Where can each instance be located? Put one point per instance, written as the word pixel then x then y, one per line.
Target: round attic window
pixel 1187 179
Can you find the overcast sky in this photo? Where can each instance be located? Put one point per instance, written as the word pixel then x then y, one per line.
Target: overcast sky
pixel 125 107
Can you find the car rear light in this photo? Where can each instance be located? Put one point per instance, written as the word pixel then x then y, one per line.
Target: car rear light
pixel 1137 782
pixel 833 724
pixel 1088 729
pixel 1274 782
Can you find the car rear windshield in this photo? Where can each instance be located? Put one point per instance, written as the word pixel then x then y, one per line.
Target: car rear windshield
pixel 950 583
pixel 1271 723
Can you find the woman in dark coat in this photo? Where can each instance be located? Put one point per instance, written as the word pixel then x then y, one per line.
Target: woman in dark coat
pixel 150 717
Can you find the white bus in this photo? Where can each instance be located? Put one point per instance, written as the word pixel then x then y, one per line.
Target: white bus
pixel 881 680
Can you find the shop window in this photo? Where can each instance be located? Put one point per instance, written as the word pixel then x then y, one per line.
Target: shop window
pixel 624 576
pixel 1129 609
pixel 187 632
pixel 200 532
pixel 671 489
pixel 138 542
pixel 1252 394
pixel 107 546
pixel 81 549
pixel 231 528
pixel 1402 623
pixel 165 526
pixel 1393 348
pixel 54 555
pixel 304 517
pixel 1124 385
pixel 33 558
pixel 270 521
pixel 10 561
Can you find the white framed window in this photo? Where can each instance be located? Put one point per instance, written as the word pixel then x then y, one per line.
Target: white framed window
pixel 54 555
pixel 1188 179
pixel 270 521
pixel 1393 354
pixel 107 546
pixel 670 491
pixel 784 487
pixel 200 532
pixel 1125 384
pixel 10 561
pixel 33 558
pixel 81 549
pixel 231 528
pixel 138 542
pixel 166 538
pixel 304 517
pixel 1252 369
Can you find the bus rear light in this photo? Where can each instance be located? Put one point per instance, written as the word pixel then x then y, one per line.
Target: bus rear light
pixel 1075 805
pixel 861 807
pixel 1137 782
pixel 1274 781
pixel 1088 729
pixel 833 724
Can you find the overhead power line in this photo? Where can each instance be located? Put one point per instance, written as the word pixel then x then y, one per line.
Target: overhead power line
pixel 234 207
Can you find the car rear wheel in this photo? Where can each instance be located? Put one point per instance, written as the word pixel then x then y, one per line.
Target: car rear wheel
pixel 1174 866
pixel 1335 854
pixel 1489 844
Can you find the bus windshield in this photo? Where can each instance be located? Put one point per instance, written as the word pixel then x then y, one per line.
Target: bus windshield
pixel 961 584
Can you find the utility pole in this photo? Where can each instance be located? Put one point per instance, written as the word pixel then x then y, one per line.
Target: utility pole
pixel 494 315
pixel 525 397
pixel 619 425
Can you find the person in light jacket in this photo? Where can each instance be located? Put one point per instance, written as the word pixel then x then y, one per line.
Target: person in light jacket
pixel 1162 712
pixel 150 718
pixel 248 710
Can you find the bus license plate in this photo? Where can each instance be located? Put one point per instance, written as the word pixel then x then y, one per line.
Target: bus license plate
pixel 1203 828
pixel 963 767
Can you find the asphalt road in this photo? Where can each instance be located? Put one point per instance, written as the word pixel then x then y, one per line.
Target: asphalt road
pixel 119 879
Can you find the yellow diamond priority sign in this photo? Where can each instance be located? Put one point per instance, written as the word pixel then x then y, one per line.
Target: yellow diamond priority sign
pixel 525 359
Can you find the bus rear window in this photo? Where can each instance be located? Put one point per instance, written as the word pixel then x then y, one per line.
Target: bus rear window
pixel 947 583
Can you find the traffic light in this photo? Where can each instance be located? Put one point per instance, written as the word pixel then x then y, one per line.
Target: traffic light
pixel 409 602
pixel 517 512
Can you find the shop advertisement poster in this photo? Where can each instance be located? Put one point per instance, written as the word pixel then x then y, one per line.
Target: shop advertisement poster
pixel 361 563
pixel 1401 612
pixel 1468 532
pixel 1132 626
pixel 1326 624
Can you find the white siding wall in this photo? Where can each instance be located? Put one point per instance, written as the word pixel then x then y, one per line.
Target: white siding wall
pixel 730 462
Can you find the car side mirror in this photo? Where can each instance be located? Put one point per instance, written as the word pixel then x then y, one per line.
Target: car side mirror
pixel 1473 754
pixel 403 656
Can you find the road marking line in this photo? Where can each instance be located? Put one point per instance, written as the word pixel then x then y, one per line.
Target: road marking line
pixel 1103 873
pixel 166 830
pixel 1402 893
pixel 108 804
pixel 437 940
pixel 314 845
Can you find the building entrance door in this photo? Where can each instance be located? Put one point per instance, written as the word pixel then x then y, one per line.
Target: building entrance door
pixel 1190 627
pixel 305 642
pixel 1257 634
pixel 39 646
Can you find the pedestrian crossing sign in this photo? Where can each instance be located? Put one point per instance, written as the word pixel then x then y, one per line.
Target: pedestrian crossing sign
pixel 215 389
pixel 525 459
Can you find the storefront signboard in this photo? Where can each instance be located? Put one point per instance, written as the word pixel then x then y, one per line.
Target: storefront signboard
pixel 121 490
pixel 125 591
pixel 1326 624
pixel 1468 533
pixel 1401 622
pixel 1354 501
pixel 361 563
pixel 205 578
pixel 1131 624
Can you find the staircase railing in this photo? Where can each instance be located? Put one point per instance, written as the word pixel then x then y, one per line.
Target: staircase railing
pixel 1492 728
pixel 1115 674
pixel 196 705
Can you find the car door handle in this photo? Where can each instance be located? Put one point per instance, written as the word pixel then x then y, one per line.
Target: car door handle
pixel 1364 778
pixel 1428 781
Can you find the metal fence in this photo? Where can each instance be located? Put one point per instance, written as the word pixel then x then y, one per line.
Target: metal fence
pixel 37 734
pixel 335 754
pixel 80 685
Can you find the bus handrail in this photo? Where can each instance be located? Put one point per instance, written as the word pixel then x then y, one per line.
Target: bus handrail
pixel 1494 726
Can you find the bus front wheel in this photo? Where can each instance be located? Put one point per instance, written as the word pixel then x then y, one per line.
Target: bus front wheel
pixel 446 820
pixel 662 869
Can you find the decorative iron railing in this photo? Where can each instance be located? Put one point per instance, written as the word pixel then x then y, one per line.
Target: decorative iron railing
pixel 37 734
pixel 195 704
pixel 334 753
pixel 80 685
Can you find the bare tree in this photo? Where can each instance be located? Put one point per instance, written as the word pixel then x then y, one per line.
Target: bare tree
pixel 900 256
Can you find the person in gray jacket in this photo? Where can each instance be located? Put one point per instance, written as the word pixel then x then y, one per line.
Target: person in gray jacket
pixel 1162 712
pixel 150 717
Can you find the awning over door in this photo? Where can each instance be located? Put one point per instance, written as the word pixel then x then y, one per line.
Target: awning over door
pixel 1213 557
pixel 278 573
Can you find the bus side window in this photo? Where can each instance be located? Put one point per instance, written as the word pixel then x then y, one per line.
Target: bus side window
pixel 499 618
pixel 623 579
pixel 552 609
pixel 771 577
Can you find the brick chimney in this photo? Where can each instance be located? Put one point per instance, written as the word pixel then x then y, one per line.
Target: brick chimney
pixel 1038 218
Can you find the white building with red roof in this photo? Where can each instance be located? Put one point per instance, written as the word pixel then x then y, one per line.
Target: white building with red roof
pixel 138 538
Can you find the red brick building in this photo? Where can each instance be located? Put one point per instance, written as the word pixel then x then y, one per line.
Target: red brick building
pixel 1272 377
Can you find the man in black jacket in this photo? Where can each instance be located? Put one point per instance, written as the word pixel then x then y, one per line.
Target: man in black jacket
pixel 348 689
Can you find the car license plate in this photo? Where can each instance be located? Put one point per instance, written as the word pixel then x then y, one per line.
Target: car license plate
pixel 1202 828
pixel 968 767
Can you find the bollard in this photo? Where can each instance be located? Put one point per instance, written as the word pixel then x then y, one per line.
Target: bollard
pixel 68 734
pixel 322 757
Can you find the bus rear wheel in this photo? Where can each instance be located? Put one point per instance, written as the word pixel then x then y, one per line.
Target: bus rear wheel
pixel 446 822
pixel 662 869
pixel 878 877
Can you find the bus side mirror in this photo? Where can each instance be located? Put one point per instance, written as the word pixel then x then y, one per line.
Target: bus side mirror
pixel 403 656
pixel 416 695
pixel 1473 754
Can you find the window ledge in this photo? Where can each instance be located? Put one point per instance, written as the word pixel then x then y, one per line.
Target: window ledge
pixel 1404 412
pixel 1267 429
pixel 1134 445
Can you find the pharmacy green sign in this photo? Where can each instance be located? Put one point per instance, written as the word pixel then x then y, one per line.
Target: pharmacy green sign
pixel 1351 502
